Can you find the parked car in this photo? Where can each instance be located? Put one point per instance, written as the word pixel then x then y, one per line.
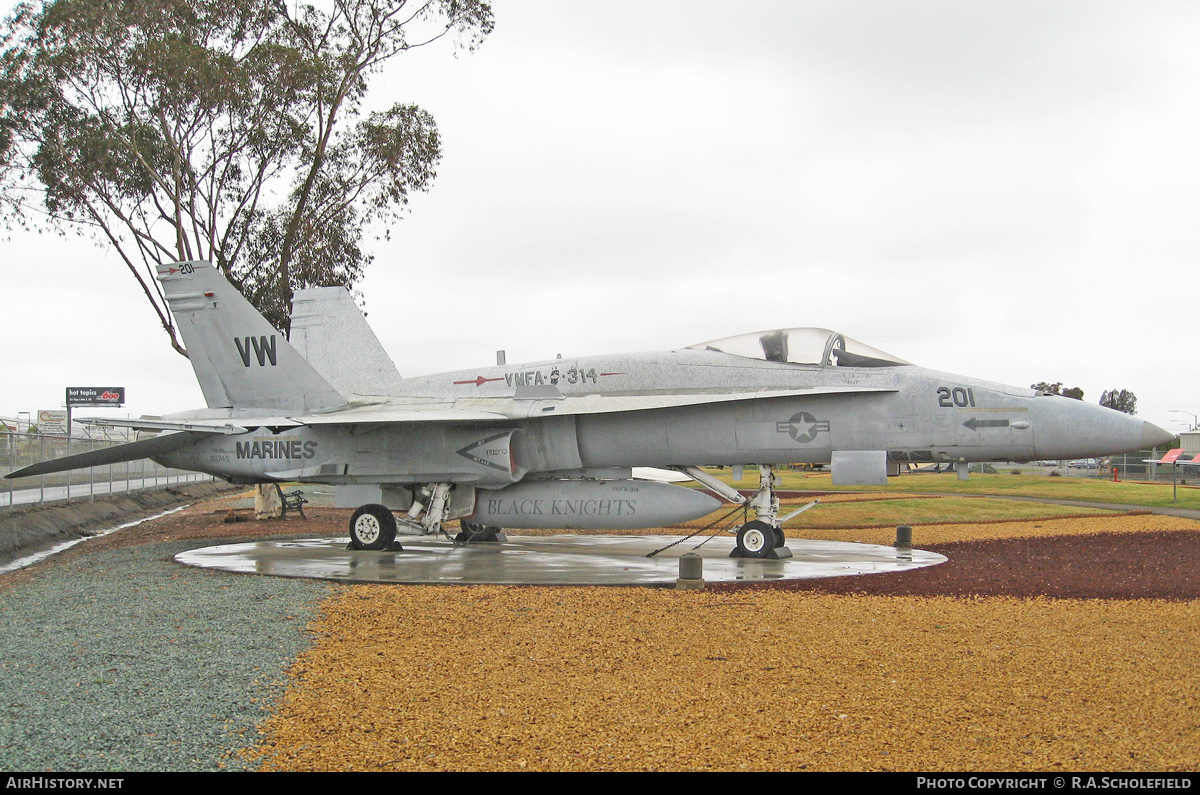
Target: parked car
pixel 1084 463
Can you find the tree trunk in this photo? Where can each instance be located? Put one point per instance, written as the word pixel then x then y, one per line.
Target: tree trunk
pixel 266 502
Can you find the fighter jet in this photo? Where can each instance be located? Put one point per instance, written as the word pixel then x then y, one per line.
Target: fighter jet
pixel 552 444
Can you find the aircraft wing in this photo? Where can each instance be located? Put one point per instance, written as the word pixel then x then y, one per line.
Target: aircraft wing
pixel 117 454
pixel 531 402
pixel 640 401
pixel 548 401
pixel 390 412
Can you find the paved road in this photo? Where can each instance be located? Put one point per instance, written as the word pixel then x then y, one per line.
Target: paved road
pixel 1186 513
pixel 98 489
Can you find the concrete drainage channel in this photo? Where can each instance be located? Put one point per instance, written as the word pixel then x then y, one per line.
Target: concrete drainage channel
pixel 29 532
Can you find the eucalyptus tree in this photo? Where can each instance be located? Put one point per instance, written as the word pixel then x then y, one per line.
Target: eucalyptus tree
pixel 1119 399
pixel 1057 389
pixel 236 131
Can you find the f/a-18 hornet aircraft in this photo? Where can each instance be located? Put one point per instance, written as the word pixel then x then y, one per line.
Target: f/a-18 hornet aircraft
pixel 552 444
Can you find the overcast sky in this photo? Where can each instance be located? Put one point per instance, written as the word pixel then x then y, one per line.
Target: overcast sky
pixel 1008 190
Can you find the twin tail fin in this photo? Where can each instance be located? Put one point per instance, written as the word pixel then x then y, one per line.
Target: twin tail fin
pixel 240 360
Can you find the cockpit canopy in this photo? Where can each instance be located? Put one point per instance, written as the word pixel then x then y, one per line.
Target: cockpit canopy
pixel 812 346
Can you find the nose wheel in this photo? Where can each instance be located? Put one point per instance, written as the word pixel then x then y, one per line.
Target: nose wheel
pixel 757 539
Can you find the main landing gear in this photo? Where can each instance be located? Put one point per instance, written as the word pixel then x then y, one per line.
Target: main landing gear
pixel 374 527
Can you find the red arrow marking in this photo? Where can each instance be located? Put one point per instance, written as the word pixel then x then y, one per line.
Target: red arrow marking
pixel 479 381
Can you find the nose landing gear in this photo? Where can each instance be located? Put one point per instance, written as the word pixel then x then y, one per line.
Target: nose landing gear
pixel 763 537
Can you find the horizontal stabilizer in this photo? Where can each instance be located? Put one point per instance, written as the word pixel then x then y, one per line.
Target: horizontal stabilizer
pixel 146 448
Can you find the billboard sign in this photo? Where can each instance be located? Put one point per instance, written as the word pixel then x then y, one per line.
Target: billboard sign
pixel 52 422
pixel 95 396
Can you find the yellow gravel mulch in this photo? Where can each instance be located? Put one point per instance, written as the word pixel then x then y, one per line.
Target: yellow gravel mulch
pixel 492 678
pixel 499 678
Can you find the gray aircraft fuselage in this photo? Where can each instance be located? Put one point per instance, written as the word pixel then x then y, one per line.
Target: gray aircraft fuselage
pixel 914 414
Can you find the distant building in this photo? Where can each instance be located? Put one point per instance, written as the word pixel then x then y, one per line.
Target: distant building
pixel 1190 441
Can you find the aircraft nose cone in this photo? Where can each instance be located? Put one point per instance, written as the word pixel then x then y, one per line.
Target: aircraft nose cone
pixel 1068 428
pixel 1154 436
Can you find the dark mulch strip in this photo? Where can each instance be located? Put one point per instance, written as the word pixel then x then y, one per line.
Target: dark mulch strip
pixel 1151 565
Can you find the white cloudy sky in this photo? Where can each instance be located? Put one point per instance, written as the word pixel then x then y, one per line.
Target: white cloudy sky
pixel 1009 190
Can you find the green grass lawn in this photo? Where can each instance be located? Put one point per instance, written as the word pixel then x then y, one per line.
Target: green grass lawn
pixel 918 510
pixel 1027 484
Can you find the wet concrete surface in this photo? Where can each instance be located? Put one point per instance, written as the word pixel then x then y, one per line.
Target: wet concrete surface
pixel 551 560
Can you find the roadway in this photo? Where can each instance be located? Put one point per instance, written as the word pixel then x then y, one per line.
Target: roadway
pixel 33 496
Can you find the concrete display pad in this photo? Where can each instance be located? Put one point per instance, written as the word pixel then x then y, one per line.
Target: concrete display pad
pixel 551 560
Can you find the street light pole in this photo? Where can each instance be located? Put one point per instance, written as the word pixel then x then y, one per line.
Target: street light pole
pixel 1195 419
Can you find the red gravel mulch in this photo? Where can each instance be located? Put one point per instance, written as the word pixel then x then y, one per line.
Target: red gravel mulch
pixel 1150 565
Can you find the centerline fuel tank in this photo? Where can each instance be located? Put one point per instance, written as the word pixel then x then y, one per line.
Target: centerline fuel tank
pixel 592 504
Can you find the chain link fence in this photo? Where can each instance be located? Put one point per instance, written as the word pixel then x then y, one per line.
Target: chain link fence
pixel 1142 466
pixel 22 449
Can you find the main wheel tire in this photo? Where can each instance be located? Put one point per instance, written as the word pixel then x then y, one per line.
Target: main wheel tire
pixel 756 539
pixel 780 538
pixel 372 527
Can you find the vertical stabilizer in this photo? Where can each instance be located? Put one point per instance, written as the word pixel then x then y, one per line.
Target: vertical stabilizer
pixel 330 332
pixel 241 360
